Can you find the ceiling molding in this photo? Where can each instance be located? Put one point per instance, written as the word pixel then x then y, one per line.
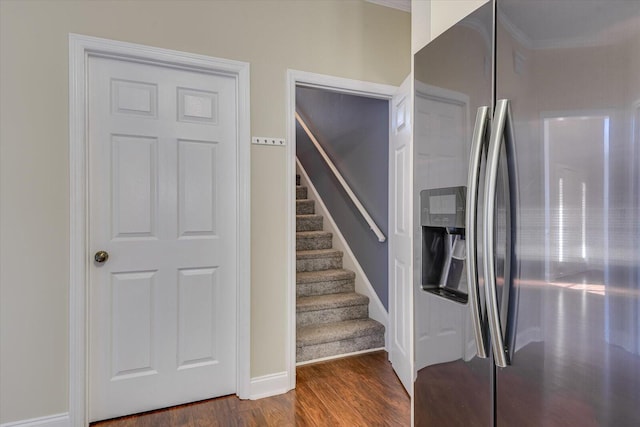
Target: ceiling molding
pixel 403 5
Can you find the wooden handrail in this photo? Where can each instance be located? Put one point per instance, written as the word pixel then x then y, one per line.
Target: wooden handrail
pixel 345 186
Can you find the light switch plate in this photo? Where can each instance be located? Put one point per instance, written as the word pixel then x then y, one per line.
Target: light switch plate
pixel 261 140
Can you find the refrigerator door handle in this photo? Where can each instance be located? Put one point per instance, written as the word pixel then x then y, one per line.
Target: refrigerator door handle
pixel 477 146
pixel 501 115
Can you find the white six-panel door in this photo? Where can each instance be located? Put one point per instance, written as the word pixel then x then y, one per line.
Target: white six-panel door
pixel 162 203
pixel 400 226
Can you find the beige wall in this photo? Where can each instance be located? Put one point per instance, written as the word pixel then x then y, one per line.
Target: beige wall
pixel 351 39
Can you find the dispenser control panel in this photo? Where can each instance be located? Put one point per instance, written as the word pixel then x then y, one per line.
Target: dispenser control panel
pixel 443 207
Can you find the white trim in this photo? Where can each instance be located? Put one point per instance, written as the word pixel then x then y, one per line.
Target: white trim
pixel 335 84
pixel 340 85
pixel 340 356
pixel 363 284
pixel 57 420
pixel 80 48
pixel 269 385
pixel 290 180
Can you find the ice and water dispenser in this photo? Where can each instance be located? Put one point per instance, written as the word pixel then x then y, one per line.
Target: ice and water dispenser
pixel 442 217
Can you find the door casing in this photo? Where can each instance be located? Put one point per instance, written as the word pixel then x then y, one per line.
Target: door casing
pixel 80 49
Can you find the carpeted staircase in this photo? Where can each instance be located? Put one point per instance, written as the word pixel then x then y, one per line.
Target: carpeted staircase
pixel 331 318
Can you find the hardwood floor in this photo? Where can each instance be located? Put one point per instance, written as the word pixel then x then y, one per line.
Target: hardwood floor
pixel 354 391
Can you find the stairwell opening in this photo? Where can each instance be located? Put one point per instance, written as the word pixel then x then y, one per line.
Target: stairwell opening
pixel 333 303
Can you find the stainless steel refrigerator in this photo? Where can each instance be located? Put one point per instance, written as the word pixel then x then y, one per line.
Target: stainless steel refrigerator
pixel 526 203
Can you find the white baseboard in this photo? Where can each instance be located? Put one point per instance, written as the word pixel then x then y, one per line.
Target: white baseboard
pixel 57 420
pixel 269 385
pixel 363 285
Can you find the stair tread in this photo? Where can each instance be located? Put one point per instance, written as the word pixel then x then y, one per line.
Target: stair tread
pixel 301 216
pixel 313 234
pixel 324 275
pixel 337 331
pixel 318 253
pixel 323 302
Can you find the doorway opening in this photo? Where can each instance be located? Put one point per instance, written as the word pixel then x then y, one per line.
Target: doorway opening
pixel 342 152
pixel 319 85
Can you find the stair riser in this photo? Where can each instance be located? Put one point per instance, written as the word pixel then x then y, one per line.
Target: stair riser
pixel 301 192
pixel 305 207
pixel 309 224
pixel 351 345
pixel 330 315
pixel 311 243
pixel 325 288
pixel 317 264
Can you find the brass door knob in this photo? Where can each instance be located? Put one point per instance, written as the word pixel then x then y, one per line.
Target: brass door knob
pixel 101 256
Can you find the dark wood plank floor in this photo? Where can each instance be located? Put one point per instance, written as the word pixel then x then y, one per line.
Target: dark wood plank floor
pixel 354 391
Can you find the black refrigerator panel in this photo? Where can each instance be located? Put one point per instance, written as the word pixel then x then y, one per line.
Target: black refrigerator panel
pixel 453 80
pixel 571 72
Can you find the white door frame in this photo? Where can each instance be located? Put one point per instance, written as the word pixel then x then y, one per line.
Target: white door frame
pixel 334 84
pixel 80 49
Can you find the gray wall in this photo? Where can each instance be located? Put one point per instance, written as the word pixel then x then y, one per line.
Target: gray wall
pixel 354 131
